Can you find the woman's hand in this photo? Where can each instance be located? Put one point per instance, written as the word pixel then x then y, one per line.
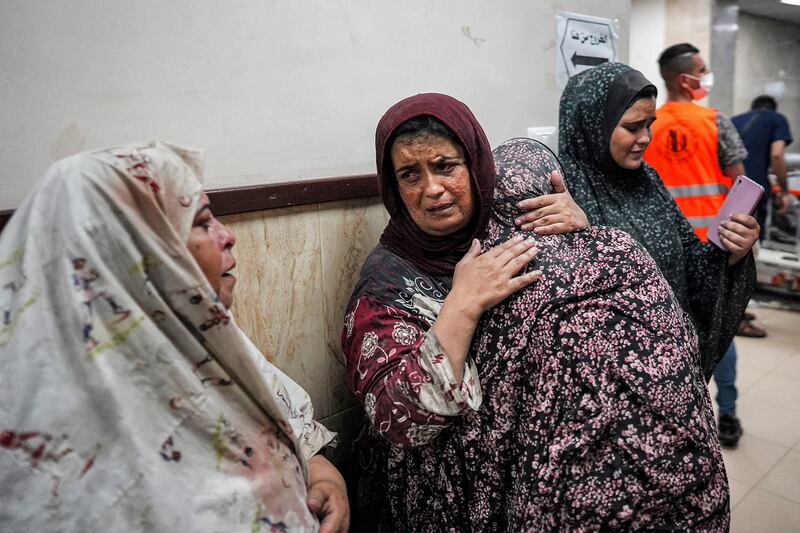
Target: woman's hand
pixel 483 280
pixel 480 281
pixel 739 234
pixel 552 213
pixel 327 496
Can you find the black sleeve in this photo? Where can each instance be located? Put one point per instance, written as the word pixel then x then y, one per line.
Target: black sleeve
pixel 718 294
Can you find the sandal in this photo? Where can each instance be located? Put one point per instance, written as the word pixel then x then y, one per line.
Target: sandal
pixel 748 329
pixel 748 316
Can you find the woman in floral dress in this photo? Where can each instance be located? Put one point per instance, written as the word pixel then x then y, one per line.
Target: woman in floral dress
pixel 596 414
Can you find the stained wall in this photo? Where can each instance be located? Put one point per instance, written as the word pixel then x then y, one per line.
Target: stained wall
pixel 296 267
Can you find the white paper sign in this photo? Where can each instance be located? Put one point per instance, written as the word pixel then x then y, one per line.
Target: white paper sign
pixel 583 42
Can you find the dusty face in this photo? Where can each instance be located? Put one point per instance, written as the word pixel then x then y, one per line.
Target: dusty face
pixel 632 134
pixel 434 183
pixel 210 243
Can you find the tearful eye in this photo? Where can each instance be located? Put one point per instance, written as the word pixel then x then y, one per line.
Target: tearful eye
pixel 409 177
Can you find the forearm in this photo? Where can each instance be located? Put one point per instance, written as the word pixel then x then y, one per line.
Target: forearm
pixel 327 496
pixel 454 328
pixel 777 157
pixel 412 403
pixel 780 171
pixel 411 397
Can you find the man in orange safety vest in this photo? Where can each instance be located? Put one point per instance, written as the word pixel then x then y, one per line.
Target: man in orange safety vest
pixel 698 153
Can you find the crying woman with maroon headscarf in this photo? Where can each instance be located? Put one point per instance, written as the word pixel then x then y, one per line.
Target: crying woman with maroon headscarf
pixel 510 389
pixel 422 290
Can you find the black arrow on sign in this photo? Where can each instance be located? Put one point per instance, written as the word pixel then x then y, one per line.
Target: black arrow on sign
pixel 587 60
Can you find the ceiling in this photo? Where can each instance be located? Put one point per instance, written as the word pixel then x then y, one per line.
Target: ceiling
pixel 772 9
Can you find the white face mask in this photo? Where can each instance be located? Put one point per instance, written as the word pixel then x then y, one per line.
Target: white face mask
pixel 706 82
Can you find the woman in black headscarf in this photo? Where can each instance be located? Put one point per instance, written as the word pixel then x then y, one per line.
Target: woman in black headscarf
pixel 605 115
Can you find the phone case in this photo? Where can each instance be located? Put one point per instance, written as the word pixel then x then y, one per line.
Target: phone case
pixel 742 198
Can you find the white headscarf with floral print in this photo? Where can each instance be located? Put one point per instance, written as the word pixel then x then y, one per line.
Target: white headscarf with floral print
pixel 129 398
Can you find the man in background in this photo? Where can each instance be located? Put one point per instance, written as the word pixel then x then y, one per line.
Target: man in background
pixel 697 152
pixel 765 134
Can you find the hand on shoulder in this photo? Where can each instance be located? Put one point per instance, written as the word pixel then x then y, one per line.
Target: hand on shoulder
pixel 552 213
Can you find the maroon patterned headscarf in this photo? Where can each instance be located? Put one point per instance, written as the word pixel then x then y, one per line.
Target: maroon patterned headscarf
pixel 436 255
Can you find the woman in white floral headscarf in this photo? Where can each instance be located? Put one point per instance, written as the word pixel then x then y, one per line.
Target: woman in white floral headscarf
pixel 129 398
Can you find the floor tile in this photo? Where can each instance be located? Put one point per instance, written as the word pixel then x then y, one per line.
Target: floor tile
pixel 784 479
pixel 781 329
pixel 776 390
pixel 759 353
pixel 763 512
pixel 789 368
pixel 768 376
pixel 776 424
pixel 739 490
pixel 752 459
pixel 747 375
pixel 779 322
pixel 776 341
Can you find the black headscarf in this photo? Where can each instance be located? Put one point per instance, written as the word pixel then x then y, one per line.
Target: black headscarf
pixel 637 202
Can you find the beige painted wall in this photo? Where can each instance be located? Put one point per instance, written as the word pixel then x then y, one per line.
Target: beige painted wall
pixel 657 24
pixel 274 90
pixel 648 27
pixel 689 21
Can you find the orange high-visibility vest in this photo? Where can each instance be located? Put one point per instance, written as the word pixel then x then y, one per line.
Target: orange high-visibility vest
pixel 683 150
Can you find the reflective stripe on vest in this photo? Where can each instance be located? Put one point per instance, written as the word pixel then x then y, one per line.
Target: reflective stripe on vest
pixel 700 222
pixel 680 191
pixel 700 206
